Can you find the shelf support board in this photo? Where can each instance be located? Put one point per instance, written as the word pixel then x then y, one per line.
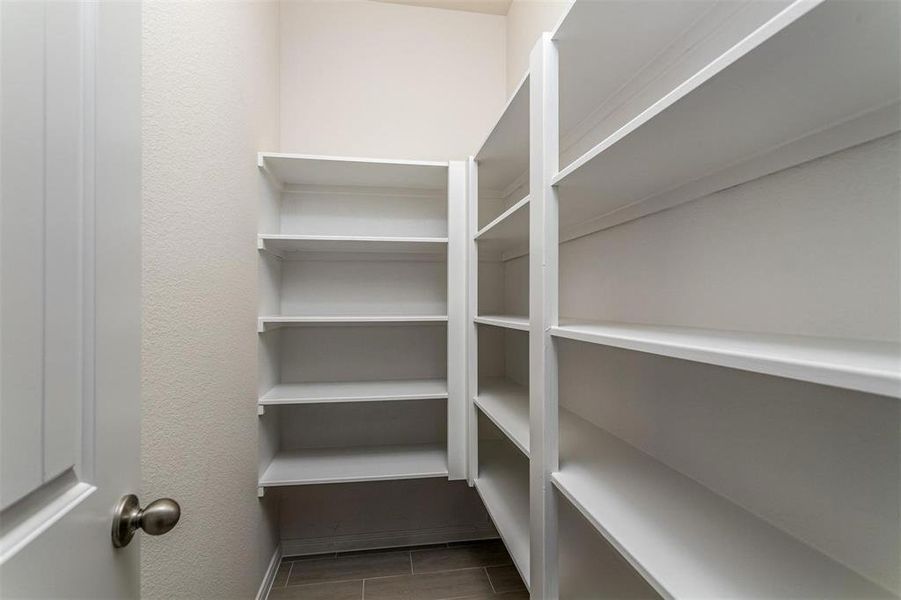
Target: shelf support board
pixel 543 314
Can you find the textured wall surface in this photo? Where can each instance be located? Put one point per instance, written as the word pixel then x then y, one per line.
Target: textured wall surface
pixel 389 81
pixel 526 20
pixel 210 103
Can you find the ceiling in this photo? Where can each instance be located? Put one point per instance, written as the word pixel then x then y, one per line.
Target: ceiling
pixel 491 7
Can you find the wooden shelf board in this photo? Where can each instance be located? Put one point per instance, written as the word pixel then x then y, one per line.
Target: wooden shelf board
pixel 777 85
pixel 508 321
pixel 307 169
pixel 345 465
pixel 270 322
pixel 687 541
pixel 285 244
pixel 503 157
pixel 507 405
pixel 355 391
pixel 503 485
pixel 865 366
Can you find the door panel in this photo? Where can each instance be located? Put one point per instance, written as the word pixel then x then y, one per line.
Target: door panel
pixel 70 270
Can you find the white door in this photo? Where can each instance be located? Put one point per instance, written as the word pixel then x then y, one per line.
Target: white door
pixel 70 175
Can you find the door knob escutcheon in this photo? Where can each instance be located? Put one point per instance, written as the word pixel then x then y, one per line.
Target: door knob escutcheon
pixel 159 517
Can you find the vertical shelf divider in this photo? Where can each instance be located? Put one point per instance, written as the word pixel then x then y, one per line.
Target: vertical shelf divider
pixel 543 314
pixel 457 321
pixel 472 308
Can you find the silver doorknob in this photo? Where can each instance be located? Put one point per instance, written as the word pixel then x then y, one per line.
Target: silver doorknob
pixel 159 517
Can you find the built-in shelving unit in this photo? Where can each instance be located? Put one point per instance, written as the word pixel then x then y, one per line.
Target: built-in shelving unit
pixel 342 171
pixel 506 403
pixel 695 377
pixel 866 366
pixel 684 539
pixel 507 321
pixel 284 245
pixel 269 322
pixel 503 484
pixel 777 86
pixel 356 257
pixel 348 465
pixel 499 207
pixel 355 391
pixel 507 236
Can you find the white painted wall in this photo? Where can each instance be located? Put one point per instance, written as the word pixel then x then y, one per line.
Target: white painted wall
pixel 392 81
pixel 526 21
pixel 210 102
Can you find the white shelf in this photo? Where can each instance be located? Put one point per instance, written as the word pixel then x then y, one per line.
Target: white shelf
pixel 282 245
pixel 508 232
pixel 355 391
pixel 687 541
pixel 345 465
pixel 507 321
pixel 504 155
pixel 865 366
pixel 809 68
pixel 507 405
pixel 314 170
pixel 503 484
pixel 271 322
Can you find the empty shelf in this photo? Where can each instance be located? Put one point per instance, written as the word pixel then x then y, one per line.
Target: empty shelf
pixel 305 169
pixel 344 465
pixel 355 391
pixel 282 245
pixel 503 485
pixel 811 67
pixel 865 366
pixel 507 405
pixel 508 232
pixel 504 155
pixel 266 323
pixel 687 541
pixel 507 321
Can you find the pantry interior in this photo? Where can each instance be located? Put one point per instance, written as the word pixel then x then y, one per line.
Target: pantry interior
pixel 652 320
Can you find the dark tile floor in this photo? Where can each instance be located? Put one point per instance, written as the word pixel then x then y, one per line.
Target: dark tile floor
pixel 479 570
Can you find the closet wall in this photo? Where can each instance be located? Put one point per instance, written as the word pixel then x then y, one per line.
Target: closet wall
pixel 210 102
pixel 381 80
pixel 525 21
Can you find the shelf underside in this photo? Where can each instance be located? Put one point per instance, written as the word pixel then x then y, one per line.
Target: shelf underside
pixel 355 391
pixel 504 156
pixel 507 405
pixel 304 169
pixel 802 73
pixel 286 245
pixel 687 541
pixel 865 366
pixel 345 465
pixel 506 321
pixel 503 485
pixel 272 322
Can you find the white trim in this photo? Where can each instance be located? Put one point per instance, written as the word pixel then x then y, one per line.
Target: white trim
pixel 269 575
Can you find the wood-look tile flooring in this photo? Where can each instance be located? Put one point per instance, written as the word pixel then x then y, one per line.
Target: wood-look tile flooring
pixel 479 570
